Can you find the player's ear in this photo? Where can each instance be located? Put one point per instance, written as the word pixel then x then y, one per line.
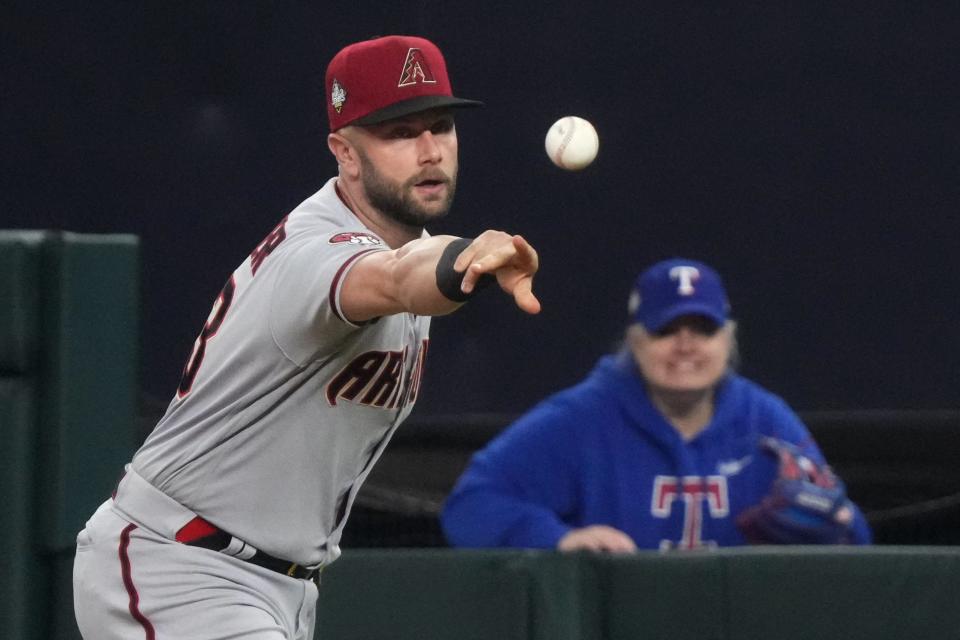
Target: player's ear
pixel 345 153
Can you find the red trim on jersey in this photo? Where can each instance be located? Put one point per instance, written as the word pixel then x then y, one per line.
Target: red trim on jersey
pixel 128 583
pixel 336 282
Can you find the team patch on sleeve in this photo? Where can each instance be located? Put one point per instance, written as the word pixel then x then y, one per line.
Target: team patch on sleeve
pixel 355 237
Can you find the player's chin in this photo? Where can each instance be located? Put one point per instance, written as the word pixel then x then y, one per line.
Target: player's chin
pixel 433 204
pixel 432 208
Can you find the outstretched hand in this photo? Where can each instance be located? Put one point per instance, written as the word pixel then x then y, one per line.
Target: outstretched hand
pixel 511 259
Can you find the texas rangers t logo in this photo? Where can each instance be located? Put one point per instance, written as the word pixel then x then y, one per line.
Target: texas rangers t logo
pixel 687 275
pixel 693 490
pixel 415 69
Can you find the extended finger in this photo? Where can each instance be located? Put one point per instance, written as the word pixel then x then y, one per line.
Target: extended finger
pixel 470 278
pixel 494 259
pixel 466 257
pixel 486 242
pixel 524 297
pixel 517 253
pixel 526 255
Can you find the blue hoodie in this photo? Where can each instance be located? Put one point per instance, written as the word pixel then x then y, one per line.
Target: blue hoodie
pixel 601 453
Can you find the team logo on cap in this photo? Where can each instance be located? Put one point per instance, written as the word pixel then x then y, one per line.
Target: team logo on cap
pixel 686 275
pixel 338 95
pixel 415 69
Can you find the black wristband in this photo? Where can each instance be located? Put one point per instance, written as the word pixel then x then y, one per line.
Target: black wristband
pixel 449 279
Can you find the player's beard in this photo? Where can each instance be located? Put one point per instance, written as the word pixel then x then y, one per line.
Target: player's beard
pixel 396 200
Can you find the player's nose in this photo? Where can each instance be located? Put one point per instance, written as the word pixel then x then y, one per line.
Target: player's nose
pixel 428 148
pixel 685 338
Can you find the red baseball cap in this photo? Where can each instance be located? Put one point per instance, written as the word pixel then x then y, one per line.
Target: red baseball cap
pixel 384 78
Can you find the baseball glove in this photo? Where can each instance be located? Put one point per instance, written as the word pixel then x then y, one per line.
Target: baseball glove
pixel 807 503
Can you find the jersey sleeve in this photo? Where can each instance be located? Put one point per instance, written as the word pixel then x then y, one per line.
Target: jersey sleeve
pixel 515 491
pixel 305 317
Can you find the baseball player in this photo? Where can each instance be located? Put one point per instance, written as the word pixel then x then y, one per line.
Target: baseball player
pixel 311 357
pixel 662 446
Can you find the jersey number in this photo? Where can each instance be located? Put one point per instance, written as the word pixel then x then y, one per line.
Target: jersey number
pixel 217 314
pixel 265 248
pixel 222 305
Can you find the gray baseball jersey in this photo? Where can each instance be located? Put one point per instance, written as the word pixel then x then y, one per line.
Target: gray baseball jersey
pixel 285 405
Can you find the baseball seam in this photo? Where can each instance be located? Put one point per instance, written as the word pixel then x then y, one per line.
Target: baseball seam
pixel 566 140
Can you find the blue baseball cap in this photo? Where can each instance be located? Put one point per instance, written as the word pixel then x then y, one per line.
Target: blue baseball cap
pixel 674 288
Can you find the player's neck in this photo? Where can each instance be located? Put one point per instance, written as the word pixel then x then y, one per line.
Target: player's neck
pixel 394 233
pixel 689 412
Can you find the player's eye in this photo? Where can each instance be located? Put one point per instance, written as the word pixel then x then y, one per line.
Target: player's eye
pixel 699 325
pixel 444 125
pixel 402 133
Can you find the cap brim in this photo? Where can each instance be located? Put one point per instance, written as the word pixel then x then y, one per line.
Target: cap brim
pixel 688 309
pixel 414 105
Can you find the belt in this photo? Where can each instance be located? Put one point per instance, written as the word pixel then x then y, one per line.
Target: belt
pixel 200 533
pixel 141 502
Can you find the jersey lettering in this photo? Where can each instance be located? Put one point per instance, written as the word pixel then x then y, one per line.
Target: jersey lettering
pixel 265 248
pixel 693 491
pixel 378 376
pixel 398 390
pixel 387 381
pixel 417 374
pixel 355 376
pixel 220 307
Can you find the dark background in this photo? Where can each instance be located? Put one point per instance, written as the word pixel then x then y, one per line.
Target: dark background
pixel 809 151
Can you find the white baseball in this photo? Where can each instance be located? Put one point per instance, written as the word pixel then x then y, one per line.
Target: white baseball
pixel 572 143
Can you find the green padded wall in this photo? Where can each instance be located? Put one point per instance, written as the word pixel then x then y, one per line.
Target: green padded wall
pixel 68 386
pixel 854 594
pixel 654 596
pixel 61 620
pixel 782 593
pixel 400 594
pixel 564 595
pixel 20 313
pixel 412 595
pixel 88 399
pixel 17 476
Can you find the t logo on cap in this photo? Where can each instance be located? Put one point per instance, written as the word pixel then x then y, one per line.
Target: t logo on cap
pixel 686 275
pixel 678 287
